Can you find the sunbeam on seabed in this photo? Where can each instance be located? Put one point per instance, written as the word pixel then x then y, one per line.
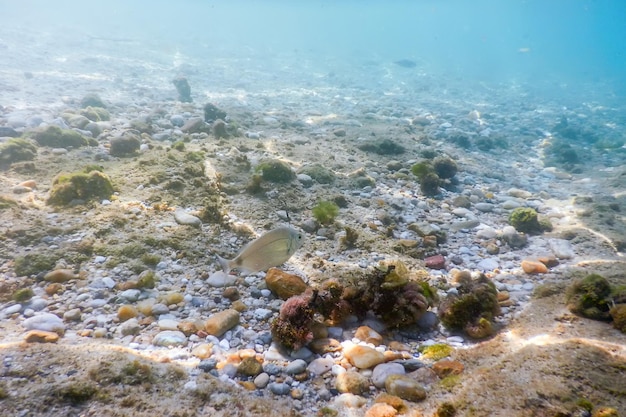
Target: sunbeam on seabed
pixel 517 343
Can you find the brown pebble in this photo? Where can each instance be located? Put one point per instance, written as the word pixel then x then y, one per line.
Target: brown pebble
pixel 40 336
pixel 231 293
pixel 187 327
pixel 446 367
pixel 54 288
pixel 239 306
pixel 203 351
pixel 368 335
pixel 533 267
pixel 284 284
pixel 502 296
pixel 127 285
pixel 381 410
pixel 399 346
pixel 220 323
pixel 548 260
pixel 352 382
pixel 392 400
pixel 28 183
pixel 326 345
pixel 126 312
pixel 60 275
pixel 249 385
pixel 363 357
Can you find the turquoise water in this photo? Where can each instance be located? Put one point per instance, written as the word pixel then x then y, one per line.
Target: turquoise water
pixel 530 41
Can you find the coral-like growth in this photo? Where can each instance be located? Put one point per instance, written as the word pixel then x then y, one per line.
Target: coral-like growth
pixel 292 327
pixel 473 309
pixel 590 297
pixel 67 188
pixel 524 219
pixel 325 212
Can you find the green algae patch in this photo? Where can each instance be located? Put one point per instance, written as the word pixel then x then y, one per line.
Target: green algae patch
pixel 437 351
pixel 325 212
pixel 34 263
pixel 80 186
pixel 55 137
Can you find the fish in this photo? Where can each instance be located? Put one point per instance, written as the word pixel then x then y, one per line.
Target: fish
pixel 406 63
pixel 271 249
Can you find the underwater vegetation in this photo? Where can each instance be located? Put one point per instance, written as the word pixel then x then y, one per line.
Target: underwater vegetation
pixel 325 212
pixel 212 113
pixel 319 173
pixel 183 88
pixel 383 147
pixel 595 298
pixel 80 186
pixel 433 174
pixel 473 309
pixel 387 291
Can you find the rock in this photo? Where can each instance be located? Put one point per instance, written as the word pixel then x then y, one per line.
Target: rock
pixel 129 327
pixel 561 248
pixel 219 129
pixel 279 388
pixel 352 382
pixel 363 357
pixel 296 367
pixel 72 315
pixel 488 264
pixel 349 401
pixel 446 367
pixel 405 387
pixel 220 323
pixel 484 207
pixel 212 112
pixel 381 410
pixel 168 324
pixel 47 322
pixel 425 376
pixel 126 312
pixel 325 345
pixel 183 88
pixel 513 238
pixel 60 275
pixel 533 267
pixel 435 262
pixel 203 351
pixel 250 367
pixel 40 336
pixel 383 371
pixel 55 137
pixel 221 279
pixel 184 218
pixel 261 380
pixel 368 335
pixel 284 284
pixel 320 366
pixel 159 309
pixel 125 145
pixel 341 132
pixel 195 125
pixel 169 338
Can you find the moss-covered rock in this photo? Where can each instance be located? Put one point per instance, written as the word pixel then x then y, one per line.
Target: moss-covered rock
pixel 15 150
pixel 590 297
pixel 126 145
pixel 34 263
pixel 92 100
pixel 96 114
pixel 68 188
pixel 525 220
pixel 473 309
pixel 383 147
pixel 55 137
pixel 319 173
pixel 445 167
pixel 274 170
pixel 212 113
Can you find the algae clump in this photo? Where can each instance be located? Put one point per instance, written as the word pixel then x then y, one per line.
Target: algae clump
pixel 68 188
pixel 525 220
pixel 276 171
pixel 325 212
pixel 590 297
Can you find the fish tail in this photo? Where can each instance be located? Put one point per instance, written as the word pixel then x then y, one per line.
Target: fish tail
pixel 224 263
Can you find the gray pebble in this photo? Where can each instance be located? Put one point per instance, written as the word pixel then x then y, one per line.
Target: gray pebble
pixel 15 308
pixel 272 368
pixel 169 338
pixel 129 327
pixel 296 367
pixel 72 315
pixel 262 314
pixel 207 364
pixel 159 309
pixel 261 380
pixel 279 388
pixel 45 321
pixel 185 218
pixel 131 295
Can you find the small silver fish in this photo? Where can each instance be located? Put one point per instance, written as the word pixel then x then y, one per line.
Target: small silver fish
pixel 272 249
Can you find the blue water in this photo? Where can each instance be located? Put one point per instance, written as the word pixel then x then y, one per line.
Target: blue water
pixel 559 42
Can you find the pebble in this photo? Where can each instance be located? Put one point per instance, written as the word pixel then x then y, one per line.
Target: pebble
pixel 363 357
pixel 405 387
pixel 221 279
pixel 284 284
pixel 40 336
pixel 352 382
pixel 320 366
pixel 383 371
pixel 73 315
pixel 47 322
pixel 561 248
pixel 368 335
pixel 296 367
pixel 221 322
pixel 129 327
pixel 446 367
pixel 262 314
pixel 184 218
pixel 488 264
pixel 60 275
pixel 168 324
pixel 533 267
pixel 169 338
pixel 381 410
pixel 159 309
pixel 279 388
pixel 484 207
pixel 131 295
pixel 15 308
pixel 126 312
pixel 261 380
